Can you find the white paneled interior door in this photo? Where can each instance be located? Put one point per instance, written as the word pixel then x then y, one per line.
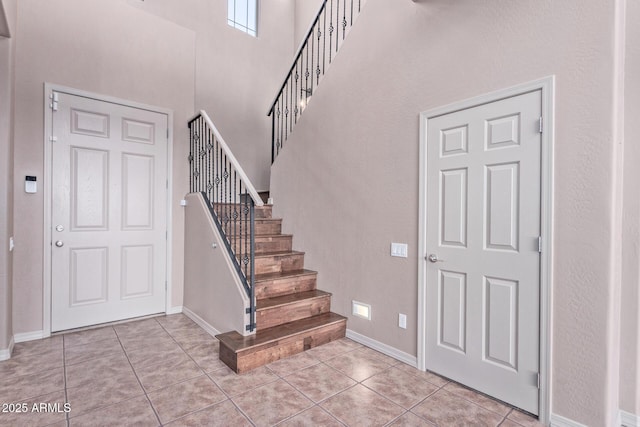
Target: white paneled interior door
pixel 109 212
pixel 483 260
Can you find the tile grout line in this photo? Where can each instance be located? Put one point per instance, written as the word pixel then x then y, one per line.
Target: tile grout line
pixel 314 404
pixel 144 390
pixel 64 373
pixel 207 375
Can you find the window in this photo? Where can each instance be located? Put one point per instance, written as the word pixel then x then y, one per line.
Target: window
pixel 243 15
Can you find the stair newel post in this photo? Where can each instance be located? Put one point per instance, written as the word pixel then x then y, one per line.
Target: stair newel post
pixel 273 137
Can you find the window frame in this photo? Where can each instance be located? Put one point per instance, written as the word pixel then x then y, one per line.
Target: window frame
pixel 248 24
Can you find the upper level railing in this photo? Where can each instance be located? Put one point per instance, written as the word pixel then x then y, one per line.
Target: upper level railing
pixel 215 172
pixel 317 51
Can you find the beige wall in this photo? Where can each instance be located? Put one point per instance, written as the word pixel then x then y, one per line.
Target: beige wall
pixel 347 182
pixel 630 308
pixel 212 290
pixel 305 12
pixel 105 47
pixel 7 56
pixel 237 75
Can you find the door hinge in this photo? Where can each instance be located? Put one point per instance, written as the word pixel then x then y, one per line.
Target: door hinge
pixel 540 244
pixel 53 138
pixel 54 101
pixel 540 125
pixel 166 234
pixel 167 133
pixel 538 381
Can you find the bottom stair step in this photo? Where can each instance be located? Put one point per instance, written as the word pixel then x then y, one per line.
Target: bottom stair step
pixel 242 354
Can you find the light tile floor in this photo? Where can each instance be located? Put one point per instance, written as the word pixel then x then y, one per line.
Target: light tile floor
pixel 165 371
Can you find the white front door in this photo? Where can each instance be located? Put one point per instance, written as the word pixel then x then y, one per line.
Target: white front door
pixel 109 217
pixel 483 264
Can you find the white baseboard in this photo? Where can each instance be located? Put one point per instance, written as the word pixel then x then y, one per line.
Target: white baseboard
pixel 200 321
pixel 628 419
pixel 29 336
pixel 175 310
pixel 5 354
pixel 560 421
pixel 383 348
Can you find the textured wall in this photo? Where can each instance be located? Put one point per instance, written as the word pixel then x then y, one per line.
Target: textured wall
pixel 305 12
pixel 7 56
pixel 630 309
pixel 237 75
pixel 106 47
pixel 211 288
pixel 347 181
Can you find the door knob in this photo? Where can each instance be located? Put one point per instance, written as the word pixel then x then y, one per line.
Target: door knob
pixel 59 243
pixel 433 258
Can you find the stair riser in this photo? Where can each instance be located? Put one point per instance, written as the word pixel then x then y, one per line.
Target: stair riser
pixel 279 263
pixel 258 356
pixel 268 227
pixel 278 287
pixel 262 228
pixel 263 212
pixel 275 316
pixel 266 245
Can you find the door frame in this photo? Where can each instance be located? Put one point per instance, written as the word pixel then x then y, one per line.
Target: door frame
pixel 547 87
pixel 48 190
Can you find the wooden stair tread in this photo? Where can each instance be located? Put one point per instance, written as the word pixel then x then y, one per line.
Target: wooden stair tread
pixel 238 343
pixel 266 303
pixel 284 275
pixel 279 253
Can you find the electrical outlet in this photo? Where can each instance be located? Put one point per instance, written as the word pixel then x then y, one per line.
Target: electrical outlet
pixel 402 321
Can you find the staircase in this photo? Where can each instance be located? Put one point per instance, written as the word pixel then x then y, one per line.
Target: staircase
pixel 292 315
pixel 286 313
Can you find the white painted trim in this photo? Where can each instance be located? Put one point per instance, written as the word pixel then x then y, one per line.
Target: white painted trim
pixel 627 419
pixel 257 200
pixel 5 354
pixel 382 348
pixel 47 190
pixel 175 310
pixel 30 336
pixel 547 86
pixel 560 421
pixel 201 322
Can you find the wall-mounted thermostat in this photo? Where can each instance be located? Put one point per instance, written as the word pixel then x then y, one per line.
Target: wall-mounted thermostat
pixel 30 184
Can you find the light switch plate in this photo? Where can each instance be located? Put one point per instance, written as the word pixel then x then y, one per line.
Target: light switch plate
pixel 399 250
pixel 402 321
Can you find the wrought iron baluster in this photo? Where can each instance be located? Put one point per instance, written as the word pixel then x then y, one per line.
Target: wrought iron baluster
pixel 297 77
pixel 317 70
pixel 311 59
pixel 306 80
pixel 351 13
pixel 324 36
pixel 331 29
pixel 337 23
pixel 285 93
pixel 290 105
pixel 273 137
pixel 344 19
pixel 312 56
